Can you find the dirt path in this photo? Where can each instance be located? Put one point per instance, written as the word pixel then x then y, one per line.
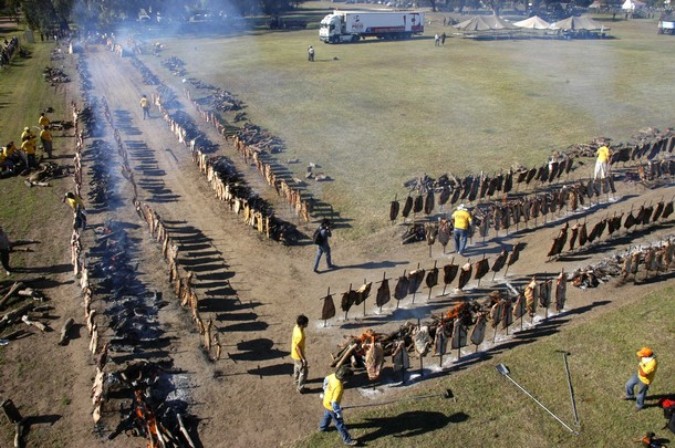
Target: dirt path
pixel 253 288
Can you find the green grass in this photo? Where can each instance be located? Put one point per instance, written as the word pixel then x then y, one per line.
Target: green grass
pixel 491 412
pixel 375 114
pixel 23 95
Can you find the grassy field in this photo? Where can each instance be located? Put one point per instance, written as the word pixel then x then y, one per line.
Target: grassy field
pixel 375 114
pixel 491 412
pixel 23 95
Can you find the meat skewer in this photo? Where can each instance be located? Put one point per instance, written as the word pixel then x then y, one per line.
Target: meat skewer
pixel 415 279
pixel 477 333
pixel 499 262
pixel 328 310
pixel 432 279
pixel 393 210
pixel 401 288
pixel 383 293
pixel 464 275
pixel 449 273
pixel 481 267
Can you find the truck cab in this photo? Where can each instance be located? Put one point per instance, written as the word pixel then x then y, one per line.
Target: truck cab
pixel 333 30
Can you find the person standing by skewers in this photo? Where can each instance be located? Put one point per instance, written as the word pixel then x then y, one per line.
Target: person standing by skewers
pixel 462 220
pixel 298 352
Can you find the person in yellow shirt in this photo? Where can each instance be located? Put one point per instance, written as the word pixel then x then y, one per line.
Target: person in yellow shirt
pixel 604 155
pixel 145 105
pixel 26 133
pixel 79 215
pixel 298 352
pixel 333 388
pixel 43 121
pixel 643 378
pixel 28 148
pixel 46 139
pixel 462 221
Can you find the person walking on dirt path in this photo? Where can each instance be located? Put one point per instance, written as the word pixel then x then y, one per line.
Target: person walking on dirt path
pixel 145 105
pixel 46 139
pixel 5 248
pixel 300 365
pixel 643 378
pixel 310 54
pixel 462 220
pixel 333 388
pixel 322 234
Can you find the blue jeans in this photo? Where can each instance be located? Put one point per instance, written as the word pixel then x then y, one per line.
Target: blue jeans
pixel 460 235
pixel 339 424
pixel 642 390
pixel 320 250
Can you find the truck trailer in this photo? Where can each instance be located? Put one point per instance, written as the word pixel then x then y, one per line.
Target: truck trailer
pixel 350 26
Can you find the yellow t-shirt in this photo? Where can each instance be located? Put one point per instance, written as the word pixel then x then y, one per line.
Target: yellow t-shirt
pixel 603 154
pixel 144 103
pixel 462 219
pixel 298 343
pixel 46 135
pixel 333 392
pixel 648 366
pixel 28 146
pixel 75 202
pixel 43 121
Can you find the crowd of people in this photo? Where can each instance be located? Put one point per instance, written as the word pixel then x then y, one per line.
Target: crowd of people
pixel 19 159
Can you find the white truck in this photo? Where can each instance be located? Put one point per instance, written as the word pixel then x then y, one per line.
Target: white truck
pixel 350 26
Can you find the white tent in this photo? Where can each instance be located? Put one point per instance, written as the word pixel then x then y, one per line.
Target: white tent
pixel 533 23
pixel 485 23
pixel 632 5
pixel 578 24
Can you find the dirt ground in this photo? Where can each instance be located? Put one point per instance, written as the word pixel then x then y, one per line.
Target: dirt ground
pixel 252 289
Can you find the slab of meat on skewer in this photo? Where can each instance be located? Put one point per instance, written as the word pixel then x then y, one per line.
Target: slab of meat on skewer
pixel 383 294
pixel 328 310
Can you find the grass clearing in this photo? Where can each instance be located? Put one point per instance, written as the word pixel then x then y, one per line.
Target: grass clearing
pixel 375 114
pixel 491 411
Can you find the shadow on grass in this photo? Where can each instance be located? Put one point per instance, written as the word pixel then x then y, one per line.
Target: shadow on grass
pixel 407 424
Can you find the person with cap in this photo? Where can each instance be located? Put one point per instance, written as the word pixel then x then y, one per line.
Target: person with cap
pixel 46 139
pixel 323 233
pixel 333 387
pixel 298 352
pixel 462 220
pixel 643 378
pixel 145 105
pixel 5 248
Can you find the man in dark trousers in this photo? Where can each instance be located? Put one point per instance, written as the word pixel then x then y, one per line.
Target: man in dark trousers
pixel 323 246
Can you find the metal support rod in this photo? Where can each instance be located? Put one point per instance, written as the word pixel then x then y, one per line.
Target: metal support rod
pixel 571 388
pixel 541 405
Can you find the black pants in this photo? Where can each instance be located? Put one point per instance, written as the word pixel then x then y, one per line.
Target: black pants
pixel 4 259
